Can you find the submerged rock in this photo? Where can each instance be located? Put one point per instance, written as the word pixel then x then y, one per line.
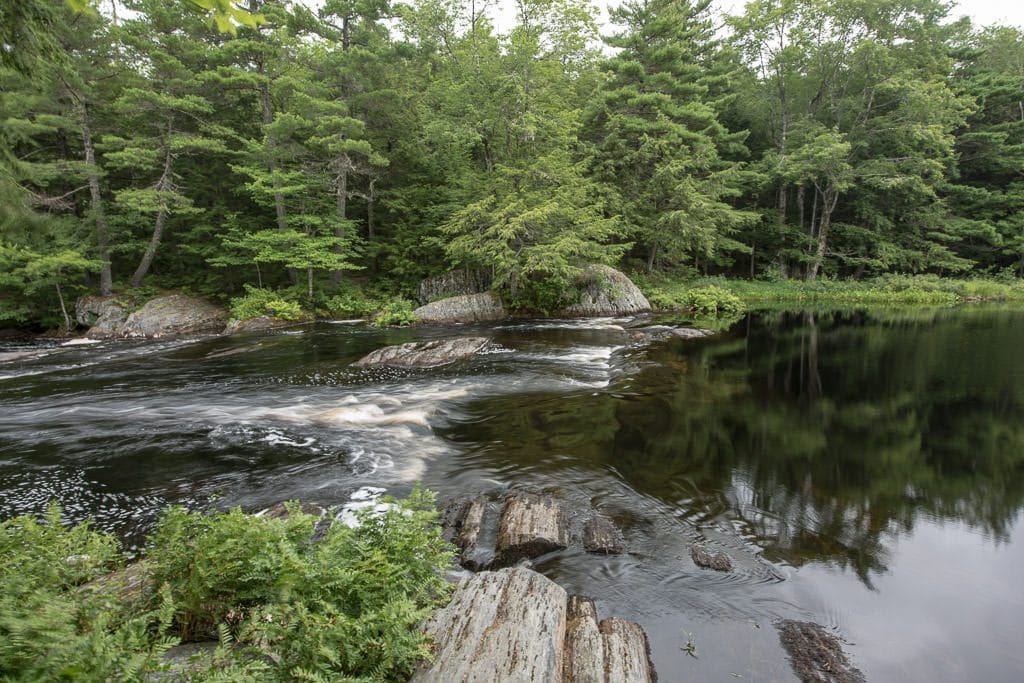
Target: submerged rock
pixel 173 315
pixel 606 291
pixel 463 309
pixel 426 354
pixel 702 557
pixel 816 655
pixel 103 315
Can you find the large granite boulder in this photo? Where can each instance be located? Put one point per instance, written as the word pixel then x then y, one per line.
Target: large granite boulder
pixel 173 315
pixel 425 354
pixel 606 291
pixel 103 315
pixel 261 323
pixel 455 283
pixel 467 308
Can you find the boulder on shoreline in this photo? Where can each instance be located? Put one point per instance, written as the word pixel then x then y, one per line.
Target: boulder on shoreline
pixel 258 324
pixel 453 284
pixel 103 315
pixel 466 308
pixel 516 625
pixel 425 354
pixel 173 315
pixel 606 291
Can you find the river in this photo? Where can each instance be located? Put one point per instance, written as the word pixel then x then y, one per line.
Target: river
pixel 864 470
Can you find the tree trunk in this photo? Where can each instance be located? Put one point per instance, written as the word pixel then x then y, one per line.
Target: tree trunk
pixel 829 199
pixel 63 308
pixel 370 197
pixel 651 256
pixel 341 202
pixel 800 203
pixel 162 185
pixel 102 231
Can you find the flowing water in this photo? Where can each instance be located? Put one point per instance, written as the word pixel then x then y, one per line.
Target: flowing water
pixel 863 470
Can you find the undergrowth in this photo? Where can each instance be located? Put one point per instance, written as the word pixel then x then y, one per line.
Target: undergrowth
pixel 283 606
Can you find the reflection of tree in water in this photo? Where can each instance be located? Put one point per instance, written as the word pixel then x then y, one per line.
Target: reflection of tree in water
pixel 824 435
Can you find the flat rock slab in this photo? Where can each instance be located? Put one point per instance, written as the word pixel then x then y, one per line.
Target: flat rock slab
pixel 816 655
pixel 702 557
pixel 601 536
pixel 531 525
pixel 504 626
pixel 425 354
pixel 613 651
pixel 691 332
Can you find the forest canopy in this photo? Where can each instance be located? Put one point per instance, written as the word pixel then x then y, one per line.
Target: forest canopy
pixel 209 146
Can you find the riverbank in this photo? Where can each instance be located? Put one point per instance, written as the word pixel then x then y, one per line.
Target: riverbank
pixel 666 294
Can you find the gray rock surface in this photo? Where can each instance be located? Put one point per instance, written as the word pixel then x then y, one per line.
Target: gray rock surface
pixel 531 525
pixel 258 324
pixel 601 536
pixel 702 557
pixel 504 626
pixel 455 283
pixel 606 291
pixel 103 315
pixel 173 315
pixel 463 309
pixel 816 655
pixel 426 354
pixel 461 523
pixel 691 332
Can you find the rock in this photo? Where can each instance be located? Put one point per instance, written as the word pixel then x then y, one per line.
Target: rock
pixel 584 646
pixel 691 332
pixel 504 626
pixel 606 291
pixel 531 525
pixel 720 562
pixel 426 354
pixel 461 522
pixel 103 315
pixel 130 587
pixel 467 308
pixel 455 283
pixel 627 652
pixel 186 662
pixel 280 511
pixel 816 655
pixel 172 315
pixel 601 536
pixel 259 324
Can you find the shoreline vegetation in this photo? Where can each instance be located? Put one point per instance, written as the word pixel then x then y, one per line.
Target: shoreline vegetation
pixel 280 597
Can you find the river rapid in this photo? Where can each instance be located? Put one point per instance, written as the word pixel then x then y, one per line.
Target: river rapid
pixel 863 470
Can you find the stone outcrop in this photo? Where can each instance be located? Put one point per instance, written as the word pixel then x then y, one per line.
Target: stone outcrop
pixel 463 309
pixel 426 354
pixel 602 537
pixel 691 332
pixel 702 557
pixel 816 655
pixel 259 324
pixel 531 525
pixel 606 291
pixel 103 315
pixel 174 314
pixel 455 283
pixel 516 626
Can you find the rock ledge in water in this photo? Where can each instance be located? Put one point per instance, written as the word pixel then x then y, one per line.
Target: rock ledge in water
pixel 602 537
pixel 702 557
pixel 467 308
pixel 103 315
pixel 426 354
pixel 531 525
pixel 816 655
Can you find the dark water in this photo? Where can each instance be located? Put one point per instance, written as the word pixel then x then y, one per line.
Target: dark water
pixel 863 470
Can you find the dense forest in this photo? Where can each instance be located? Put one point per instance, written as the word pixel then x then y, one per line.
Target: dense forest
pixel 340 154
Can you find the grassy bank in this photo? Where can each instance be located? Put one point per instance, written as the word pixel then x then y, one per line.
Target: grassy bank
pixel 283 606
pixel 894 290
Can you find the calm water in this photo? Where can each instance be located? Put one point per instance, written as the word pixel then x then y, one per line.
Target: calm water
pixel 865 471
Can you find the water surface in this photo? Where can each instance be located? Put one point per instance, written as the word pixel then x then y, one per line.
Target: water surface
pixel 863 470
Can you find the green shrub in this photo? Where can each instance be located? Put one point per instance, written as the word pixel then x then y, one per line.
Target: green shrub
pixel 284 606
pixel 257 302
pixel 398 312
pixel 713 301
pixel 350 300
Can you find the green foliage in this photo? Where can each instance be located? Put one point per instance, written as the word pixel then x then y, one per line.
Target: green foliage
pixel 257 302
pixel 713 301
pixel 397 312
pixel 284 607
